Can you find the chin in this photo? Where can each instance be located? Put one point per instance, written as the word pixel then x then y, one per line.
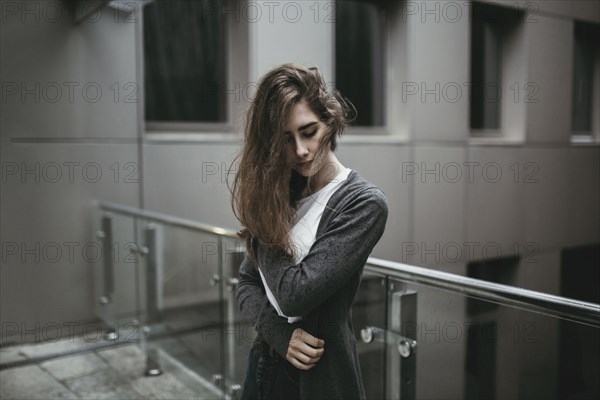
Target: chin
pixel 305 172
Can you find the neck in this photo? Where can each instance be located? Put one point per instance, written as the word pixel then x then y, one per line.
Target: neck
pixel 330 170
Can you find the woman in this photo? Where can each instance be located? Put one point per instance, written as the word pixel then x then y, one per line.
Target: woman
pixel 309 223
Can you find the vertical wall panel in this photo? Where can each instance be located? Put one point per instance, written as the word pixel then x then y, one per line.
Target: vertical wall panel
pixel 550 71
pixel 66 131
pixel 439 69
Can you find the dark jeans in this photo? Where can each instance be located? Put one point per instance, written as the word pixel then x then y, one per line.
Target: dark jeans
pixel 269 377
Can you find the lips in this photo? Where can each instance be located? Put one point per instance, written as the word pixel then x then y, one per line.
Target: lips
pixel 304 164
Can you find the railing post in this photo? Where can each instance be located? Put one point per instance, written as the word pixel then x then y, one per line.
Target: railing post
pixel 108 282
pixel 230 272
pixel 107 261
pixel 403 363
pixel 153 294
pixel 153 278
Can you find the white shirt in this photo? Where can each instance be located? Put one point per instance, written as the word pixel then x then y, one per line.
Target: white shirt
pixel 304 229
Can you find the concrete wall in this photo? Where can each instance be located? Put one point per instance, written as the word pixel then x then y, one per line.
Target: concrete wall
pixel 81 145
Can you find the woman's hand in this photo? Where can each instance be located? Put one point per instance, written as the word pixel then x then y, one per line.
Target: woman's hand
pixel 304 350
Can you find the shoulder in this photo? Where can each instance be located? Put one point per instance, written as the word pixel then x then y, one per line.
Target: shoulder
pixel 357 186
pixel 359 195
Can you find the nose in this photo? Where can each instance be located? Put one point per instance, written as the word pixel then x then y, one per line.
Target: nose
pixel 301 149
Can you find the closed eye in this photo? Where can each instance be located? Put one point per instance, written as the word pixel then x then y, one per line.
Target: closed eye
pixel 290 138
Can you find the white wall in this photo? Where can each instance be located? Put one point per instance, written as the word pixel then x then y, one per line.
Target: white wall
pixel 300 32
pixel 50 131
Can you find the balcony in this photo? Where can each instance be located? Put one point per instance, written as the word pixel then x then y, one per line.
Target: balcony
pixel 168 327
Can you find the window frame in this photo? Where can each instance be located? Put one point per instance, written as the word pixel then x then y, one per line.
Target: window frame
pixel 487 132
pixel 593 135
pixel 236 71
pixel 394 48
pixel 512 44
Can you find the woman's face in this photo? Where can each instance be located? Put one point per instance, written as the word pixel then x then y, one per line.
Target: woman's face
pixel 303 131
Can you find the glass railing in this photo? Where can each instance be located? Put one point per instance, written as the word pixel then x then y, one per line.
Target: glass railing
pixel 169 285
pixel 432 335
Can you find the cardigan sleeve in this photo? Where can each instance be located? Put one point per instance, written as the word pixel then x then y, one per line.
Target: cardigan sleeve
pixel 256 307
pixel 336 255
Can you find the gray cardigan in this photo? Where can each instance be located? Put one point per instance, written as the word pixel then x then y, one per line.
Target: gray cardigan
pixel 321 288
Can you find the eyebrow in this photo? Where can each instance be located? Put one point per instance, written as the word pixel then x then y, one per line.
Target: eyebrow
pixel 308 125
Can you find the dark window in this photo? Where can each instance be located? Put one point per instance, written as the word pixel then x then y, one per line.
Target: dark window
pixel 579 280
pixel 359 58
pixel 184 61
pixel 500 270
pixel 480 361
pixel 483 318
pixel 489 27
pixel 587 37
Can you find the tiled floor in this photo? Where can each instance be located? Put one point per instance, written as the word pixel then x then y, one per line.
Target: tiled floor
pixel 191 354
pixel 113 373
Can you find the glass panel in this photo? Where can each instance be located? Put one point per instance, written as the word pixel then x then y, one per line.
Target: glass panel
pixel 102 309
pixel 184 61
pixel 115 274
pixel 472 348
pixel 359 58
pixel 181 295
pixel 415 341
pixel 369 310
pixel 239 334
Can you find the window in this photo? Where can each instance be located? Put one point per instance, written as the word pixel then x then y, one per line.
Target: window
pixel 585 54
pixel 184 63
pixel 491 29
pixel 360 43
pixel 486 45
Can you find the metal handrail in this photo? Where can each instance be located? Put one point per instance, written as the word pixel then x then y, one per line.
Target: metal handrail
pixel 167 219
pixel 543 303
pixel 530 300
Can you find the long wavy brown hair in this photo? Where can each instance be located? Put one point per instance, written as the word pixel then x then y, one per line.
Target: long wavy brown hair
pixel 265 188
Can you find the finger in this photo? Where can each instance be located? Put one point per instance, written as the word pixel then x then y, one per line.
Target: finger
pixel 298 336
pixel 305 359
pixel 306 337
pixel 308 355
pixel 311 340
pixel 305 354
pixel 309 350
pixel 315 342
pixel 300 365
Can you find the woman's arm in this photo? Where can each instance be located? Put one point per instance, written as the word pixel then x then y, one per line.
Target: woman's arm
pixel 334 257
pixel 254 304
